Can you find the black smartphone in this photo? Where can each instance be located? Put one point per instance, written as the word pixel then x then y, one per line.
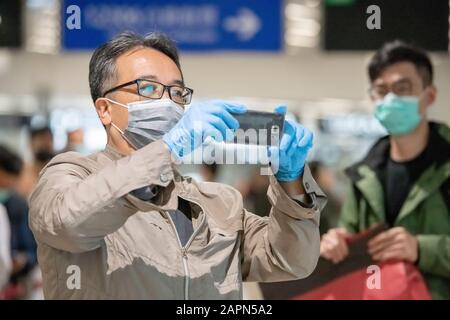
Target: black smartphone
pixel 259 127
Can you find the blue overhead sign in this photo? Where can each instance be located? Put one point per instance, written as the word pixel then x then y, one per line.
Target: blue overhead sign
pixel 193 24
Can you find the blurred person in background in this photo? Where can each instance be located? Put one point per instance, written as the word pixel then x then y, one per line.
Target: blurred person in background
pixel 75 141
pixel 326 179
pixel 23 246
pixel 405 178
pixel 137 229
pixel 5 249
pixel 209 172
pixel 41 144
pixel 254 192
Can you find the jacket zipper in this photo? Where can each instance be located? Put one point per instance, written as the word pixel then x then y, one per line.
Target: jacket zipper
pixel 184 249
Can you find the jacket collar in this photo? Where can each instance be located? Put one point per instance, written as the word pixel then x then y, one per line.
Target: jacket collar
pixel 378 155
pixel 426 185
pixel 366 174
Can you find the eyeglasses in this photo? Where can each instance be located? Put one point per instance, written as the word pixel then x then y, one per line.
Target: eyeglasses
pixel 155 90
pixel 400 88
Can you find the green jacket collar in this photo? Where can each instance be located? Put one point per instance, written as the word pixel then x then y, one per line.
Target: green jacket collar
pixel 366 174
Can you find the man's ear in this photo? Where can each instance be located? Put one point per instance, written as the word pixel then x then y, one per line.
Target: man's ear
pixel 103 110
pixel 430 96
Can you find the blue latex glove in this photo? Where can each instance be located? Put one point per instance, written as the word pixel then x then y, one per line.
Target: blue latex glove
pixel 293 150
pixel 208 119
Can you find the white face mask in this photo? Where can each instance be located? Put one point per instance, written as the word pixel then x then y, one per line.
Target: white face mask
pixel 149 120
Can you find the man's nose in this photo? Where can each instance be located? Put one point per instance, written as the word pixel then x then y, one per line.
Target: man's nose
pixel 166 94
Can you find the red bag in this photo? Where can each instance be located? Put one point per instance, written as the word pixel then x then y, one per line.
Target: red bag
pixel 352 280
pixel 398 281
pixel 13 292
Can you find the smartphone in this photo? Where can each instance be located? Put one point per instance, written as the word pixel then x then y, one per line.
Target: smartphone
pixel 259 128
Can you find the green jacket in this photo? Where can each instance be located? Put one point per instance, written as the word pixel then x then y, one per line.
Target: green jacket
pixel 425 213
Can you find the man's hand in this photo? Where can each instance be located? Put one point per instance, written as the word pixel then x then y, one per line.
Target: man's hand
pixel 334 246
pixel 394 244
pixel 202 120
pixel 293 150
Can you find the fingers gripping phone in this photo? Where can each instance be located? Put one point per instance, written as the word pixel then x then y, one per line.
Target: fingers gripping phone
pixel 259 128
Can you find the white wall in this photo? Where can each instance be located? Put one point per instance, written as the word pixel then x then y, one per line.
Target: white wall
pixel 307 76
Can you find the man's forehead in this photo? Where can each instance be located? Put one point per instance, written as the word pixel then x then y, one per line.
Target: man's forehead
pixel 141 62
pixel 401 71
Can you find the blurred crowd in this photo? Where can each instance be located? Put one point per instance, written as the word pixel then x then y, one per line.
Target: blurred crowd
pixel 20 276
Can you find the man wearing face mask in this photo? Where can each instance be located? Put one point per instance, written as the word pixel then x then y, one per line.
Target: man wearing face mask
pixel 41 141
pixel 41 144
pixel 124 224
pixel 22 244
pixel 405 178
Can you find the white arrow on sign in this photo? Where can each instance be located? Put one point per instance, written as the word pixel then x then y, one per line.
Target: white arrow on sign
pixel 246 24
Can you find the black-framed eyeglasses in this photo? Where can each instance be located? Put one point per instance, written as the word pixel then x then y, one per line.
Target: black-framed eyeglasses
pixel 155 90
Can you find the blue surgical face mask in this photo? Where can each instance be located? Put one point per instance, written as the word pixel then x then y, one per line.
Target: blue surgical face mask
pixel 149 120
pixel 399 115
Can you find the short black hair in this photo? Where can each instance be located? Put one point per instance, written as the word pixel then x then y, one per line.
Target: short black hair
pixel 399 51
pixel 35 132
pixel 10 162
pixel 102 67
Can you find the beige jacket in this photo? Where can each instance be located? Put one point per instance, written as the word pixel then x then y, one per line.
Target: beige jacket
pixel 97 241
